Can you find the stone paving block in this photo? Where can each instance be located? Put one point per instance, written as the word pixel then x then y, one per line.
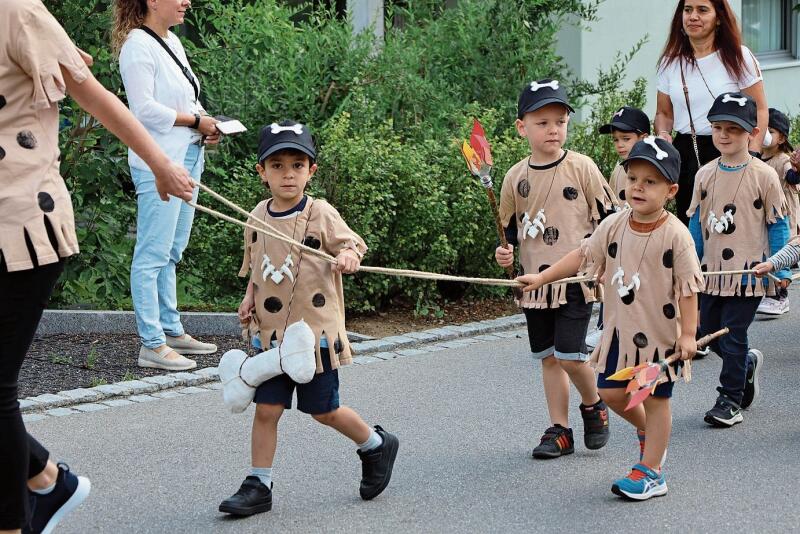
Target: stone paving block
pixel 81 395
pixel 411 352
pixel 189 379
pixel 213 385
pixel 167 394
pixel 163 381
pixel 114 403
pixel 141 398
pixel 487 337
pixel 31 417
pixel 60 412
pixel 209 372
pixel 112 390
pixel 49 400
pixel 442 333
pixel 362 360
pixel 29 404
pixel 425 337
pixel 90 407
pixel 399 341
pixel 454 343
pixel 384 355
pixel 138 387
pixel 376 345
pixel 191 390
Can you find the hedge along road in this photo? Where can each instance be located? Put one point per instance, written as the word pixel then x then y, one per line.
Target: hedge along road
pixel 467 419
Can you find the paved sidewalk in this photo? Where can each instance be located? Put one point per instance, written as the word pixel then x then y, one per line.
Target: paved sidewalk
pixel 467 418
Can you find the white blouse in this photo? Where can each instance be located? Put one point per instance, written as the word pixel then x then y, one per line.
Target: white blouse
pixel 701 97
pixel 157 91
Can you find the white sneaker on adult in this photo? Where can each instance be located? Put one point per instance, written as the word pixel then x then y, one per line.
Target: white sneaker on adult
pixel 186 344
pixel 593 338
pixel 158 360
pixel 770 306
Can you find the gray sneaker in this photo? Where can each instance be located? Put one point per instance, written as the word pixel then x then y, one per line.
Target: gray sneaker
pixel 158 360
pixel 189 345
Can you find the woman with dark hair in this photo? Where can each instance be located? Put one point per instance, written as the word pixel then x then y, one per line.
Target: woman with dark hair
pixel 703 58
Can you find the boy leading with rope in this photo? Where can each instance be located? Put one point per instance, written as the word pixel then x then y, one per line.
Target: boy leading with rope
pixel 549 202
pixel 287 285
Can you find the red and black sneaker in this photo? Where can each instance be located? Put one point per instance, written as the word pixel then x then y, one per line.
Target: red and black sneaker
pixel 557 441
pixel 595 425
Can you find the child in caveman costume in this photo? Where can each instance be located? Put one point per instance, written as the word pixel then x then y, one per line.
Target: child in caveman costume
pixel 779 155
pixel 286 287
pixel 548 203
pixel 737 220
pixel 652 276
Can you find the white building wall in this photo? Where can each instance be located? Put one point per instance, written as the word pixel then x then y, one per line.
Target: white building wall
pixel 621 23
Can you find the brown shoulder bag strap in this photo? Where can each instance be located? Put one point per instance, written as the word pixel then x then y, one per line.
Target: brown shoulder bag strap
pixel 691 120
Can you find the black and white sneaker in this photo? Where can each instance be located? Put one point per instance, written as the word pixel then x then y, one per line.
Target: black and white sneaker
pixel 253 497
pixel 724 414
pixel 47 511
pixel 751 389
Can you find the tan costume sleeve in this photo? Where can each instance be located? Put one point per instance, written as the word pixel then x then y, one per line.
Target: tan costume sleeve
pixel 41 47
pixel 687 278
pixel 694 205
pixel 250 238
pixel 508 205
pixel 775 206
pixel 597 191
pixel 338 236
pixel 593 249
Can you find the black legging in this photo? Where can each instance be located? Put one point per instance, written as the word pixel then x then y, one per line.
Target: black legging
pixel 23 298
pixel 683 143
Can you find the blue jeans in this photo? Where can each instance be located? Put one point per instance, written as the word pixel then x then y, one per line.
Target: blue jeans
pixel 737 313
pixel 162 233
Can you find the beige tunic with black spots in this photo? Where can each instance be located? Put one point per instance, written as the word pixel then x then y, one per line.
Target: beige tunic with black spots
pixel 33 47
pixel 317 297
pixel 618 182
pixel 758 198
pixel 782 164
pixel 647 321
pixel 572 193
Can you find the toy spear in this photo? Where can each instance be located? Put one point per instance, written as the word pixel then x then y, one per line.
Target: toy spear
pixel 478 156
pixel 644 378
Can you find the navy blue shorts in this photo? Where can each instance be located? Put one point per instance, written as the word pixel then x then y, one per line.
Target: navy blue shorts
pixel 662 390
pixel 319 396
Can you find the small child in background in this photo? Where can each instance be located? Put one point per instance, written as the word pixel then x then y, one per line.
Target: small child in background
pixel 778 155
pixel 627 127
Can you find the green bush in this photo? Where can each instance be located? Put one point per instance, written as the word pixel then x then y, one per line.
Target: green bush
pixel 389 121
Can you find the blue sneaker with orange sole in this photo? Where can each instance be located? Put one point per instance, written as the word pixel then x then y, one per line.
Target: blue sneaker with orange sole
pixel 640 484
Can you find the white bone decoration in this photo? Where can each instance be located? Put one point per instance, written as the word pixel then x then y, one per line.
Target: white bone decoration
pixel 534 227
pixel 619 113
pixel 719 225
pixel 660 154
pixel 728 98
pixel 619 279
pixel 276 128
pixel 535 86
pixel 277 275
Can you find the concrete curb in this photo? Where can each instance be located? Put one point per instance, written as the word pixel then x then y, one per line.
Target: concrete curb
pixel 164 386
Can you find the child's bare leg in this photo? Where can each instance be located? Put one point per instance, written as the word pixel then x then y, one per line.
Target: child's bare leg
pixel 556 391
pixel 617 400
pixel 264 439
pixel 347 422
pixel 584 379
pixel 659 427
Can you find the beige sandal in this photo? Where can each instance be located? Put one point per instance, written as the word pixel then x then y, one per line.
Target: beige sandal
pixel 158 360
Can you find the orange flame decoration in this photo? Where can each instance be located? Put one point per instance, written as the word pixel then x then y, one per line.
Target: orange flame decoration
pixel 479 143
pixel 472 159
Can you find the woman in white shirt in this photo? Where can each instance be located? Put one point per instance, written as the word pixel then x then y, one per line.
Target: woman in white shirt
pixel 163 93
pixel 705 49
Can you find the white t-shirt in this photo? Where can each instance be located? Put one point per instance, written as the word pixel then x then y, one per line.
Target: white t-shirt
pixel 157 91
pixel 716 76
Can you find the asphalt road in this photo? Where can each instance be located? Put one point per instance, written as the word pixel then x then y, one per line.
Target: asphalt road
pixel 467 419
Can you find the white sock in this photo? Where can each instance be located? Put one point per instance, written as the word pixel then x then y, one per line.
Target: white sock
pixel 373 442
pixel 45 491
pixel 264 474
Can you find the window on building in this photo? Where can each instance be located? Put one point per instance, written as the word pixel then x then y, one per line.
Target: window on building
pixel 769 28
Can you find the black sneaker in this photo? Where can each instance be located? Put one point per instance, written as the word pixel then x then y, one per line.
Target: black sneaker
pixel 48 510
pixel 376 465
pixel 724 414
pixel 595 425
pixel 556 441
pixel 751 390
pixel 253 497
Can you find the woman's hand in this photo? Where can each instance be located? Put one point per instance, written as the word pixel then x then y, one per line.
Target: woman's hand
pixel 347 262
pixel 207 126
pixel 172 179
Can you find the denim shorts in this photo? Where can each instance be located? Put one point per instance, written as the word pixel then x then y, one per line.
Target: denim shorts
pixel 663 391
pixel 319 396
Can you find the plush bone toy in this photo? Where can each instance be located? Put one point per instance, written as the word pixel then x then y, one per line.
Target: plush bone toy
pixel 240 375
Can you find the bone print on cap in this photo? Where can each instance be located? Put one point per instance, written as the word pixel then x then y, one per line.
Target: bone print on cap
pixel 659 153
pixel 286 135
pixel 540 93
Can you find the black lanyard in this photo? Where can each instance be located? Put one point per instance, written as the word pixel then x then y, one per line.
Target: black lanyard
pixel 185 70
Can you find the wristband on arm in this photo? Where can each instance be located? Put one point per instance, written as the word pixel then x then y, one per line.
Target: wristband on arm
pixel 196 121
